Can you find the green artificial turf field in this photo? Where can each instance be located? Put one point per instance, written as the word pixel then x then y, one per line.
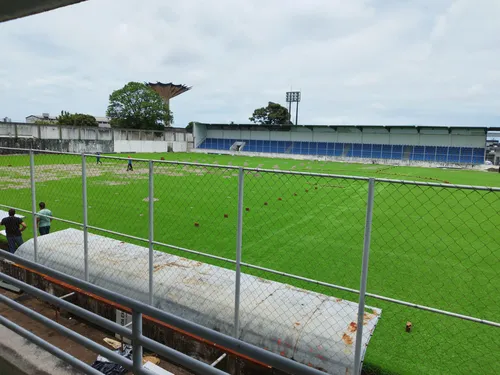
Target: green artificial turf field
pixel 431 246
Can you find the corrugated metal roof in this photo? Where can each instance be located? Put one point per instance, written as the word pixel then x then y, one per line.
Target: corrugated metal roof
pixel 309 327
pixel 416 126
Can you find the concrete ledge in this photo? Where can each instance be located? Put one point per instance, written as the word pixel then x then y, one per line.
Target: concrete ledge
pixel 18 356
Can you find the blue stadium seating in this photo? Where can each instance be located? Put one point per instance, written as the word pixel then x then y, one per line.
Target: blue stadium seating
pixel 454 154
pixel 443 154
pixel 376 151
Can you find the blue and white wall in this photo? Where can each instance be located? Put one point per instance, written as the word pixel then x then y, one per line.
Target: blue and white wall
pixel 457 137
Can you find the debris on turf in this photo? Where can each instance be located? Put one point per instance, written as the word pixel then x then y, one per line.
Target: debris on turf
pixel 409 326
pixel 196 224
pixel 248 209
pixel 226 216
pixel 265 203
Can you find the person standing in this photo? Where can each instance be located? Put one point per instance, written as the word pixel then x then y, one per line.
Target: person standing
pixel 98 158
pixel 43 219
pixel 14 226
pixel 129 165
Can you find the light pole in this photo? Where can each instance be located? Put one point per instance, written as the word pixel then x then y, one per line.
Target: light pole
pixel 293 97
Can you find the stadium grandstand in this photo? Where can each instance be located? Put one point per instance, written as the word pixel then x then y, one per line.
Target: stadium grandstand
pixel 415 143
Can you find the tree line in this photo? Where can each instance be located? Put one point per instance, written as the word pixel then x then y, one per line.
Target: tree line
pixel 134 106
pixel 138 106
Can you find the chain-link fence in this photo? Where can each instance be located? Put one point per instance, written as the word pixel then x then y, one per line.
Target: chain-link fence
pixel 276 257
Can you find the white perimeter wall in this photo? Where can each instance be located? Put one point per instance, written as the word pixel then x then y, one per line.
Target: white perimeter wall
pixel 149 146
pixel 467 137
pixel 124 140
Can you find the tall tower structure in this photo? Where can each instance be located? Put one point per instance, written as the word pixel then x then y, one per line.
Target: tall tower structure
pixel 168 90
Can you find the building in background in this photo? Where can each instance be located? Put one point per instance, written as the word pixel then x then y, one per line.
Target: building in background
pixel 31 119
pixel 103 122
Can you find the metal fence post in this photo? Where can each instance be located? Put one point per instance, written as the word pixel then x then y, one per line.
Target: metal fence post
pixel 136 346
pixel 364 277
pixel 33 206
pixel 85 218
pixel 239 234
pixel 151 230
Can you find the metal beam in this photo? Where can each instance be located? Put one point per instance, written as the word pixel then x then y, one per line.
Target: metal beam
pixel 10 10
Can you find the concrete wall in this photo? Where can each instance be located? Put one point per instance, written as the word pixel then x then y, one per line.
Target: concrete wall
pixel 20 357
pixel 58 145
pixel 105 140
pixel 467 137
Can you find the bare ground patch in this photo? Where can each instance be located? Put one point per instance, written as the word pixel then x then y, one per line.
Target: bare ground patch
pixel 154 199
pixel 111 183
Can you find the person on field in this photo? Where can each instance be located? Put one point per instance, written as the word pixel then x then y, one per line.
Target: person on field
pixel 98 158
pixel 43 219
pixel 13 228
pixel 129 164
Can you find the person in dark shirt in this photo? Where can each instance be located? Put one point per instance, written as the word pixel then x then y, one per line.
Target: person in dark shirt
pixel 129 165
pixel 13 228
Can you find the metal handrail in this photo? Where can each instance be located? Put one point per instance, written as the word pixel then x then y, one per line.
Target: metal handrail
pixel 139 308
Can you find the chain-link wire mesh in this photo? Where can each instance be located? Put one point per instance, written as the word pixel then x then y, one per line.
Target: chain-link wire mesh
pixel 117 209
pixel 310 226
pixel 58 184
pixel 15 191
pixel 435 246
pixel 196 208
pixel 302 250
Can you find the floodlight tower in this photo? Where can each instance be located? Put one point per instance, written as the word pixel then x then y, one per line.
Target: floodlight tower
pixel 168 90
pixel 293 97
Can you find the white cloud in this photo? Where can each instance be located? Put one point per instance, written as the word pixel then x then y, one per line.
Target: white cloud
pixel 357 61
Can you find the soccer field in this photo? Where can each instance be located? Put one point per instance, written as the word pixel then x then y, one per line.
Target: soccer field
pixel 431 246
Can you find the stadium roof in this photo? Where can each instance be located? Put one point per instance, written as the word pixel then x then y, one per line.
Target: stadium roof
pixel 288 127
pixel 12 9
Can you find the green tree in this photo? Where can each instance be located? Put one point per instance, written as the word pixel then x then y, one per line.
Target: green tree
pixel 80 119
pixel 65 118
pixel 76 119
pixel 273 114
pixel 137 106
pixel 43 122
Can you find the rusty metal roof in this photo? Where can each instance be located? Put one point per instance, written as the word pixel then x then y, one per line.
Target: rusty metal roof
pixel 310 327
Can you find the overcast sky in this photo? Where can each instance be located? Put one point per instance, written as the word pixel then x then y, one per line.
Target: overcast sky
pixel 356 61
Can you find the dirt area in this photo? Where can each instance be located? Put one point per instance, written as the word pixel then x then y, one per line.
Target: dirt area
pixel 69 321
pixel 20 176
